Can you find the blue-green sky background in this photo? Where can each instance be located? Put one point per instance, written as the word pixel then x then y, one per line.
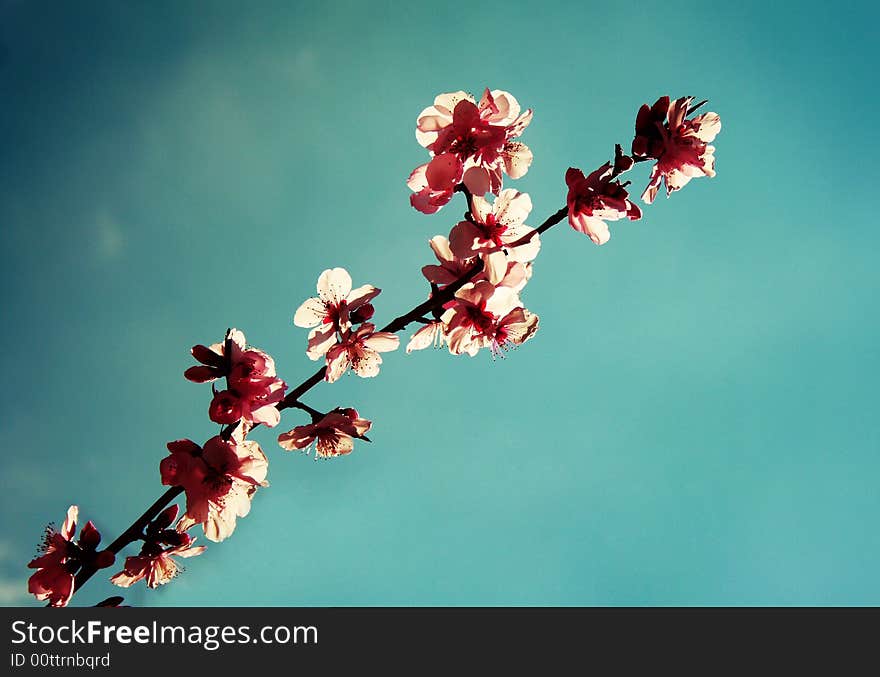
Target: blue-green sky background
pixel 696 421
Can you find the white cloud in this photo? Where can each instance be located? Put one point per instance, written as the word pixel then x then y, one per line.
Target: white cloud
pixel 109 237
pixel 301 67
pixel 14 591
pixel 7 552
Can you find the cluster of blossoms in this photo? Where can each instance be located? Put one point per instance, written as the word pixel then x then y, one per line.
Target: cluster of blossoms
pixel 472 147
pixel 155 563
pixel 252 388
pixel 680 146
pixel 663 133
pixel 62 558
pixel 332 315
pixel 470 143
pixel 487 311
pixel 475 303
pixel 592 200
pixel 342 336
pixel 219 479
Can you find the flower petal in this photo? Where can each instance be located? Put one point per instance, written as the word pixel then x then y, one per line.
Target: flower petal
pixel 707 126
pixel 465 239
pixel 440 246
pixel 517 158
pixel 312 312
pixel 382 341
pixel 298 438
pixel 438 275
pixel 424 337
pixel 321 339
pixel 366 363
pixel 595 228
pixel 268 415
pixel 68 529
pixel 417 181
pixel 337 363
pixel 477 180
pixel 361 295
pixel 443 172
pixel 526 252
pixel 334 285
pixel 502 301
pixel 495 266
pixel 207 355
pixel 512 207
pixel 192 551
pixel 201 374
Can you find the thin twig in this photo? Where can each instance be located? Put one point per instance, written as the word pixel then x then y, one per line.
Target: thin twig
pixel 436 301
pixel 132 534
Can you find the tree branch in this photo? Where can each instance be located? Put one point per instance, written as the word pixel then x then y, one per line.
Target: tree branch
pixel 434 302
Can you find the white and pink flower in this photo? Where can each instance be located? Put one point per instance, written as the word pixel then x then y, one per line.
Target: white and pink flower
pixel 484 316
pixel 336 307
pixel 472 143
pixel 336 301
pixel 219 479
pixel 359 351
pixel 333 435
pixel 155 562
pixel 515 328
pixel 158 568
pixel 680 146
pixel 62 558
pixel 252 386
pixel 595 199
pixel 494 232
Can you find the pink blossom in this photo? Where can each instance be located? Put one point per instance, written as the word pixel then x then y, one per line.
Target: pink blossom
pixel 334 310
pixel 515 328
pixel 680 146
pixel 359 349
pixel 157 567
pixel 155 561
pixel 337 305
pixel 334 433
pixel 597 198
pixel 515 274
pixel 475 142
pixel 62 558
pixel 493 231
pixel 481 314
pixel 471 322
pixel 219 480
pixel 252 387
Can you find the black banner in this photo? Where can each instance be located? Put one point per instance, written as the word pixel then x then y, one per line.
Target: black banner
pixel 125 640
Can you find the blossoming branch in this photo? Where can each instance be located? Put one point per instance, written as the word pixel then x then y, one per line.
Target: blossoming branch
pixel 474 303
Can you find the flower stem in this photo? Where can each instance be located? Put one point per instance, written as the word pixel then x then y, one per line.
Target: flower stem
pixel 435 301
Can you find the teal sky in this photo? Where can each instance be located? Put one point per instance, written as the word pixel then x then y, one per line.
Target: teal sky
pixel 694 423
